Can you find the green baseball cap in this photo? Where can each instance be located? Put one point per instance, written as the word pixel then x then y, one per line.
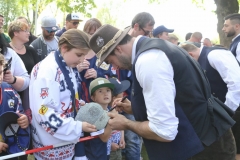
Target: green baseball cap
pixel 99 83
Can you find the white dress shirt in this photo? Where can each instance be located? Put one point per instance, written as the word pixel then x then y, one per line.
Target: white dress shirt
pixel 154 73
pixel 238 49
pixel 228 68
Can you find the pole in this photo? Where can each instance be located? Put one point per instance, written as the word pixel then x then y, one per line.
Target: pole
pixel 45 148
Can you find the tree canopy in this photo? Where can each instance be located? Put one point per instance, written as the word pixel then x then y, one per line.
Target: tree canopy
pixel 11 9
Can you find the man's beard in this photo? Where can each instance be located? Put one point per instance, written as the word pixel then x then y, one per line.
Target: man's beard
pixel 125 62
pixel 231 33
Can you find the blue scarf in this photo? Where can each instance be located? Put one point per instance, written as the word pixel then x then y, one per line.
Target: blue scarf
pixel 79 147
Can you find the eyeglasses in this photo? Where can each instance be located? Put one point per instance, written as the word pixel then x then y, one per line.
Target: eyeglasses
pixel 146 33
pixel 75 23
pixel 26 31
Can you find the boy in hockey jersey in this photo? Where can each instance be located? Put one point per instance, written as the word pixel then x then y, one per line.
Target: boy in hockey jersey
pixel 9 102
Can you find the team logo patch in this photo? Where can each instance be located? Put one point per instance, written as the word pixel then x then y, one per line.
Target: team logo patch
pixel 35 70
pixel 44 93
pixel 114 71
pixel 103 66
pixel 39 52
pixel 100 41
pixel 43 110
pixel 54 28
pixel 10 103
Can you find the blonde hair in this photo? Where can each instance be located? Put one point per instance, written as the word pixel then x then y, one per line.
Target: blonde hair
pixel 188 47
pixel 172 37
pixel 16 26
pixel 74 38
pixel 92 23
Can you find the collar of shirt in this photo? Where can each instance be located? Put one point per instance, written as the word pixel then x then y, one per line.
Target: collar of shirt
pixel 235 37
pixel 134 47
pixel 201 49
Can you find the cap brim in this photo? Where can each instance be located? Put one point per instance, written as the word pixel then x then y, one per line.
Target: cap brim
pixel 110 85
pixel 54 28
pixel 104 56
pixel 80 20
pixel 170 30
pixel 10 118
pixel 6 119
pixel 125 84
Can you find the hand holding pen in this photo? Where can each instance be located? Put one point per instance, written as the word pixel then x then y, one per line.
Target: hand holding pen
pixel 114 104
pixel 122 104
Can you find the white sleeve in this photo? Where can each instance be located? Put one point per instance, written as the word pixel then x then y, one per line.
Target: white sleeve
pixel 154 73
pixel 228 68
pixel 46 108
pixel 238 52
pixel 18 68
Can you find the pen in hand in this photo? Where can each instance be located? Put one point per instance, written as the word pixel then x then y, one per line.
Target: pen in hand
pixel 115 105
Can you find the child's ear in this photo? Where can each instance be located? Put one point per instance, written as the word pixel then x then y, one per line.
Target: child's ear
pixel 92 97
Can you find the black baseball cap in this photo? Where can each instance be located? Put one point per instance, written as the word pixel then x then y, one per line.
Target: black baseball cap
pixel 119 87
pixel 161 29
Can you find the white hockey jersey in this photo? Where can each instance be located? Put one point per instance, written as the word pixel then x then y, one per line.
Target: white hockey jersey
pixel 52 110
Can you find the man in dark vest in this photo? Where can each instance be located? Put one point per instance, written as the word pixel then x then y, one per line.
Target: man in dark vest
pixel 171 101
pixel 222 71
pixel 231 28
pixel 142 24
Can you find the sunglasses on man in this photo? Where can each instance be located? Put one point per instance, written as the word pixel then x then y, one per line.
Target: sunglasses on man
pixel 50 31
pixel 75 23
pixel 146 33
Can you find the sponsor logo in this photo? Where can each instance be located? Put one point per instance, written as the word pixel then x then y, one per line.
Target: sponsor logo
pixel 44 93
pixel 11 103
pixel 43 110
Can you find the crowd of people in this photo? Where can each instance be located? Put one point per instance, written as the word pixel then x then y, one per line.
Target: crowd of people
pixel 131 87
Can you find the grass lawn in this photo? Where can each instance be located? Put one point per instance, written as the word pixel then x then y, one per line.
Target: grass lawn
pixel 144 153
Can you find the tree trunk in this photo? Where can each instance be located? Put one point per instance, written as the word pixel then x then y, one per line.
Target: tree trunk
pixel 225 7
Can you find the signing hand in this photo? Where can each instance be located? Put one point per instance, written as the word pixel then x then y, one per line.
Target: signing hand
pixel 90 73
pixel 22 121
pixel 83 65
pixel 122 106
pixel 87 127
pixel 117 121
pixel 8 77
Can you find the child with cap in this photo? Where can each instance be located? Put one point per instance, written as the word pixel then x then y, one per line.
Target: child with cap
pixel 101 93
pixel 116 141
pixel 12 120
